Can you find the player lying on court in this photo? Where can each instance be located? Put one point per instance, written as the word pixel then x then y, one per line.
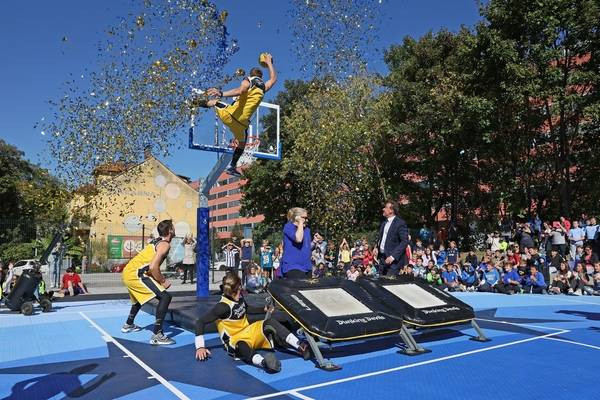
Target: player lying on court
pixel 144 282
pixel 236 116
pixel 240 338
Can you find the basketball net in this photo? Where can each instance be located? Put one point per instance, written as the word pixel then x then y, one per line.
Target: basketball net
pixel 247 156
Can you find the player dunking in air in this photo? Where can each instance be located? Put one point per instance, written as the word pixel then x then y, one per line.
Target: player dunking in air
pixel 240 338
pixel 236 116
pixel 144 282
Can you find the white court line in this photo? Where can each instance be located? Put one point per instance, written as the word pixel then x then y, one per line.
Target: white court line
pixel 519 324
pixel 576 343
pixel 385 371
pixel 300 396
pixel 153 373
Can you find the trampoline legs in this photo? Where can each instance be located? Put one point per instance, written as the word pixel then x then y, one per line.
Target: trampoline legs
pixel 412 348
pixel 480 335
pixel 322 362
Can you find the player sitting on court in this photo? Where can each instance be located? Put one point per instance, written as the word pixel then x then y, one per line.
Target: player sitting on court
pixel 240 338
pixel 236 116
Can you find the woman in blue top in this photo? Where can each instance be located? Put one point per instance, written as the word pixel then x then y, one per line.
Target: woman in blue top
pixel 295 262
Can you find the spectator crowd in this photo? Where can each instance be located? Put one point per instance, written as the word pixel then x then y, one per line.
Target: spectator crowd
pixel 552 257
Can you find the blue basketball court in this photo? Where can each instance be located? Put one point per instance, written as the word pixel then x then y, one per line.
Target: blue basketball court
pixel 542 347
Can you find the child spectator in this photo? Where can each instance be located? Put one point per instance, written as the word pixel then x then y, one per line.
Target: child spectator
pixel 511 280
pixel 468 277
pixel 71 284
pixel 368 257
pixel 371 271
pixel 433 276
pixel 441 256
pixel 450 276
pixel 453 254
pixel 471 258
pixel 344 255
pixel 534 282
pixel 330 255
pixel 319 271
pixel 254 280
pixel 561 280
pixel 491 277
pixel 596 278
pixel 419 269
pixel 353 273
pixel 581 282
pixel 265 279
pixel 266 258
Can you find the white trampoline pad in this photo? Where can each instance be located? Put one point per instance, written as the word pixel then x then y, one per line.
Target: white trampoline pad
pixel 415 295
pixel 335 302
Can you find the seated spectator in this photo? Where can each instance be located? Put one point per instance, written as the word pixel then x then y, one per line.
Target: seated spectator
pixel 319 271
pixel 265 279
pixel 491 277
pixel 534 282
pixel 419 269
pixel 340 269
pixel 555 260
pixel 71 284
pixel 581 282
pixel 450 278
pixel 511 280
pixel 254 282
pixel 468 277
pixel 353 273
pixel 368 257
pixel 561 281
pixel 498 257
pixel 371 271
pixel 589 257
pixel 523 269
pixel 596 278
pixel 433 276
pixel 407 272
pixel 483 266
pixel 418 245
pixel 471 258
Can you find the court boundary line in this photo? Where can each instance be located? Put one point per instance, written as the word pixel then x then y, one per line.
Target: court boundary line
pixel 519 324
pixel 574 342
pixel 563 297
pixel 300 396
pixel 153 373
pixel 407 366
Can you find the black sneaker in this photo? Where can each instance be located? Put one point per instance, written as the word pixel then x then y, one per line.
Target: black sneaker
pixel 231 170
pixel 304 350
pixel 270 363
pixel 161 339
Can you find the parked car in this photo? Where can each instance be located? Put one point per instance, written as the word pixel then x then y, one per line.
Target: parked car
pixel 23 265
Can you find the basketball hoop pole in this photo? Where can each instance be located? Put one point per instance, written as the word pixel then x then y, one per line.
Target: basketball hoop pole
pixel 202 244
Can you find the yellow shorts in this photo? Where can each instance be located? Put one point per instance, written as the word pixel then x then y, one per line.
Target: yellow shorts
pixel 141 287
pixel 236 127
pixel 253 335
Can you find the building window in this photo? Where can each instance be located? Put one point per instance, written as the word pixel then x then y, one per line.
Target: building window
pixel 222 194
pixel 223 182
pixel 222 229
pixel 233 191
pixel 212 196
pixel 233 179
pixel 234 203
pixel 222 218
pixel 221 206
pixel 233 216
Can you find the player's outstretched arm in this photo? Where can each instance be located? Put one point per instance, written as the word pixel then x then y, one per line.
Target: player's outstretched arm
pixel 243 88
pixel 272 73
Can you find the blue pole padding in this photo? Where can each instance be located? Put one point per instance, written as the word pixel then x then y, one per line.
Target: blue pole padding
pixel 202 253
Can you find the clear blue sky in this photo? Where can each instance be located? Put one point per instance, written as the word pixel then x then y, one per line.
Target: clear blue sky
pixel 35 61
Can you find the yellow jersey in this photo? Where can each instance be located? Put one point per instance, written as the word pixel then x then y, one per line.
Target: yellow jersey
pixel 248 102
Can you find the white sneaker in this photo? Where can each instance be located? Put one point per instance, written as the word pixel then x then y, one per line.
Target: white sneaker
pixel 161 339
pixel 130 328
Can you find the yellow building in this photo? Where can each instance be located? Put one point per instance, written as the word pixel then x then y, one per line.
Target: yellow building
pixel 126 203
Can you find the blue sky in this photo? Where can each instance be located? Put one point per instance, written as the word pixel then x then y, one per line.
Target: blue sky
pixel 35 60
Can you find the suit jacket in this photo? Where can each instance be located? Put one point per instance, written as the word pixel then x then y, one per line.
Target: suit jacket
pixel 396 240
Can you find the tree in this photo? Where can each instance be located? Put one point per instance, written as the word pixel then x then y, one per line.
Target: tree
pixel 557 44
pixel 327 164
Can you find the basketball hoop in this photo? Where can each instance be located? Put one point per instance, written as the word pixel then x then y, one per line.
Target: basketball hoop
pixel 252 145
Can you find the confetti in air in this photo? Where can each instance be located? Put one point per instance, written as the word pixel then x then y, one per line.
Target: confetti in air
pixel 137 94
pixel 334 37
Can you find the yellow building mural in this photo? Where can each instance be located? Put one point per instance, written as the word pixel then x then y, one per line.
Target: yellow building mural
pixel 127 202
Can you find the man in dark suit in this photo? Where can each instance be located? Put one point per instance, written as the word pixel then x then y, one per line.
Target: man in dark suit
pixel 392 242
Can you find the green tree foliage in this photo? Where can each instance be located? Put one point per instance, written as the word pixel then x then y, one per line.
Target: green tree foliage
pixel 30 198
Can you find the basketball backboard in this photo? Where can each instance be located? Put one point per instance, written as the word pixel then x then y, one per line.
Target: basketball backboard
pixel 208 133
